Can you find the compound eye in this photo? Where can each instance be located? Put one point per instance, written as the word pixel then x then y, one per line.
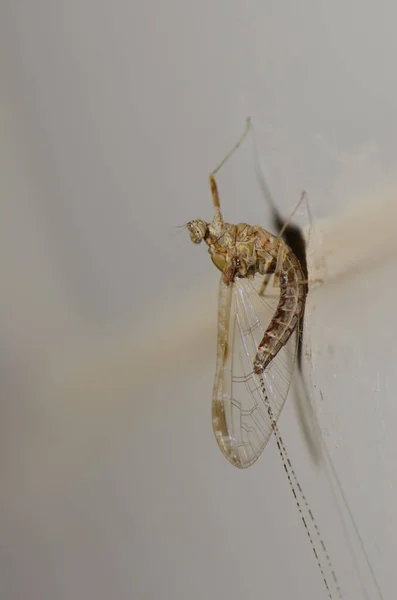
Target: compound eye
pixel 197 230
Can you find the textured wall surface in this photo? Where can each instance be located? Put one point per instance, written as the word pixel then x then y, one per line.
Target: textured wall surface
pixel 113 115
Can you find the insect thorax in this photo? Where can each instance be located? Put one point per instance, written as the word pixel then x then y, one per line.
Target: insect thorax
pixel 241 250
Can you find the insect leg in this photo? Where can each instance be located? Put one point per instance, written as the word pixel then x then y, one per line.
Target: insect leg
pixel 266 279
pixel 288 221
pixel 214 188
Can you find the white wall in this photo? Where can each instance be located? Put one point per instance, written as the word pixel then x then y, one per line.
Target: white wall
pixel 113 114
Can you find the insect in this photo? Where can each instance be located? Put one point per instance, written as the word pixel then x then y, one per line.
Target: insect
pixel 256 345
pixel 257 338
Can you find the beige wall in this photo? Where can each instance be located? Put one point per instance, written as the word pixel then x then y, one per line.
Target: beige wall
pixel 112 116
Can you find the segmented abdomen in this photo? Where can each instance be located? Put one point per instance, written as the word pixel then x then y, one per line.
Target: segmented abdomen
pixel 290 308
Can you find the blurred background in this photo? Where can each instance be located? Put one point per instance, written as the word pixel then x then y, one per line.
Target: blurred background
pixel 112 116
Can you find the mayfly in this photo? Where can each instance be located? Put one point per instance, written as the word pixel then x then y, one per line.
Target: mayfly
pixel 256 343
pixel 254 361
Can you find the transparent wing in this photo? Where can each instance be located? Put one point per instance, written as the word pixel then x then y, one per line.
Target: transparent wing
pixel 244 403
